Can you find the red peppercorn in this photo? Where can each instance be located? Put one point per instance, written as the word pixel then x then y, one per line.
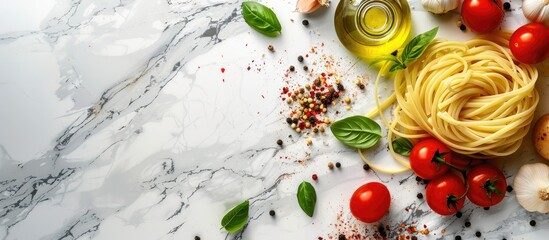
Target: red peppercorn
pixel 315 177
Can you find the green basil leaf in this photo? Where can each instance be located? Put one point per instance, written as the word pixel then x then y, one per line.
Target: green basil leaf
pixel 261 18
pixel 236 218
pixel 357 131
pixel 306 197
pixel 397 66
pixel 402 146
pixel 417 46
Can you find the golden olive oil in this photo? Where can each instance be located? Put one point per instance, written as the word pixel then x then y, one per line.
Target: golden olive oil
pixel 371 28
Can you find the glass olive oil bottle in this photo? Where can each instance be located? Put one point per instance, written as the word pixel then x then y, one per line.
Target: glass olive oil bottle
pixel 371 28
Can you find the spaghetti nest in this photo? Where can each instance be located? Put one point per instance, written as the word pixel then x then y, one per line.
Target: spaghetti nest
pixel 472 96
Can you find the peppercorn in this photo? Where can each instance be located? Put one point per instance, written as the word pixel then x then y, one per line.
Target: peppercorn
pixel 317 82
pixel 504 239
pixel 330 164
pixel 289 120
pixel 300 58
pixel 271 48
pixel 305 22
pixel 336 94
pixel 394 53
pixel 425 181
pixel 196 238
pixel 315 130
pixel 486 208
pixel 305 68
pixel 418 178
pixel 459 214
pixel 361 86
pixel 342 237
pixel 338 165
pixel 293 126
pixel 507 6
pixel 272 213
pixel 414 238
pixel 295 120
pixel 366 167
pixel 347 100
pixel 312 119
pixel 298 130
pixel 463 27
pixel 321 128
pixel 467 224
pixel 292 68
pixel 478 234
pixel 532 223
pixel 509 188
pixel 340 87
pixel 419 196
pixel 315 177
pixel 279 142
pixel 458 237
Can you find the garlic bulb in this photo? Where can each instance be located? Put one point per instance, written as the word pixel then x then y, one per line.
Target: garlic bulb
pixel 440 6
pixel 309 6
pixel 532 187
pixel 536 11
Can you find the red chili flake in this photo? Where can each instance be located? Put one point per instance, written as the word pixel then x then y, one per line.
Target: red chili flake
pixel 248 68
pixel 315 177
pixel 285 90
pixel 222 70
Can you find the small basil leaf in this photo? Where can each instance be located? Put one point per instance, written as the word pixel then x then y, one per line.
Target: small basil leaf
pixel 417 46
pixel 357 131
pixel 261 18
pixel 398 66
pixel 306 197
pixel 402 146
pixel 236 218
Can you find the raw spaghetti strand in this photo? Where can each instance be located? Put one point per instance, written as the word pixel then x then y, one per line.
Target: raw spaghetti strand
pixel 472 96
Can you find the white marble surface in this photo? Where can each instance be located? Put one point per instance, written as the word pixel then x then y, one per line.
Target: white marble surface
pixel 117 123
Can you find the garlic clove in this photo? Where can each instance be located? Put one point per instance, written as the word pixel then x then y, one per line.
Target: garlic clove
pixel 440 6
pixel 309 6
pixel 531 187
pixel 536 11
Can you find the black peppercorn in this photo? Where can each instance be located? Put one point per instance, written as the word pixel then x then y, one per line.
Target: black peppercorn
pixel 289 120
pixel 338 165
pixel 295 120
pixel 462 27
pixel 340 87
pixel 342 237
pixel 425 181
pixel 486 208
pixel 418 179
pixel 532 223
pixel 305 68
pixel 419 195
pixel 300 58
pixel 509 188
pixel 196 238
pixel 312 119
pixel 366 167
pixel 292 68
pixel 459 214
pixel 467 224
pixel 394 53
pixel 507 6
pixel 458 237
pixel 478 234
pixel 272 213
pixel 414 238
pixel 279 142
pixel 305 22
pixel 361 86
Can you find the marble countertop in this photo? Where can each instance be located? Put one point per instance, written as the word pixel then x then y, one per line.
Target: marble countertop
pixel 138 119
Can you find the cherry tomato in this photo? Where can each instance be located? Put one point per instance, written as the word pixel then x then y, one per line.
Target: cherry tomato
pixel 487 185
pixel 370 202
pixel 424 155
pixel 482 16
pixel 442 193
pixel 530 43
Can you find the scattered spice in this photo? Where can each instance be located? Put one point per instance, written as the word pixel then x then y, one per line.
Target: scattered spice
pixel 305 22
pixel 279 142
pixel 272 213
pixel 414 238
pixel 478 234
pixel 425 181
pixel 300 58
pixel 309 142
pixel 424 231
pixel 419 195
pixel 305 68
pixel 315 177
pixel 271 48
pixel 222 70
pixel 462 27
pixel 458 237
pixel 196 238
pixel 532 223
pixel 506 6
pixel 330 164
pixel 486 208
pixel 366 167
pixel 338 165
pixel 467 224
pixel 459 214
pixel 418 179
pixel 509 188
pixel 292 68
pixel 342 237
